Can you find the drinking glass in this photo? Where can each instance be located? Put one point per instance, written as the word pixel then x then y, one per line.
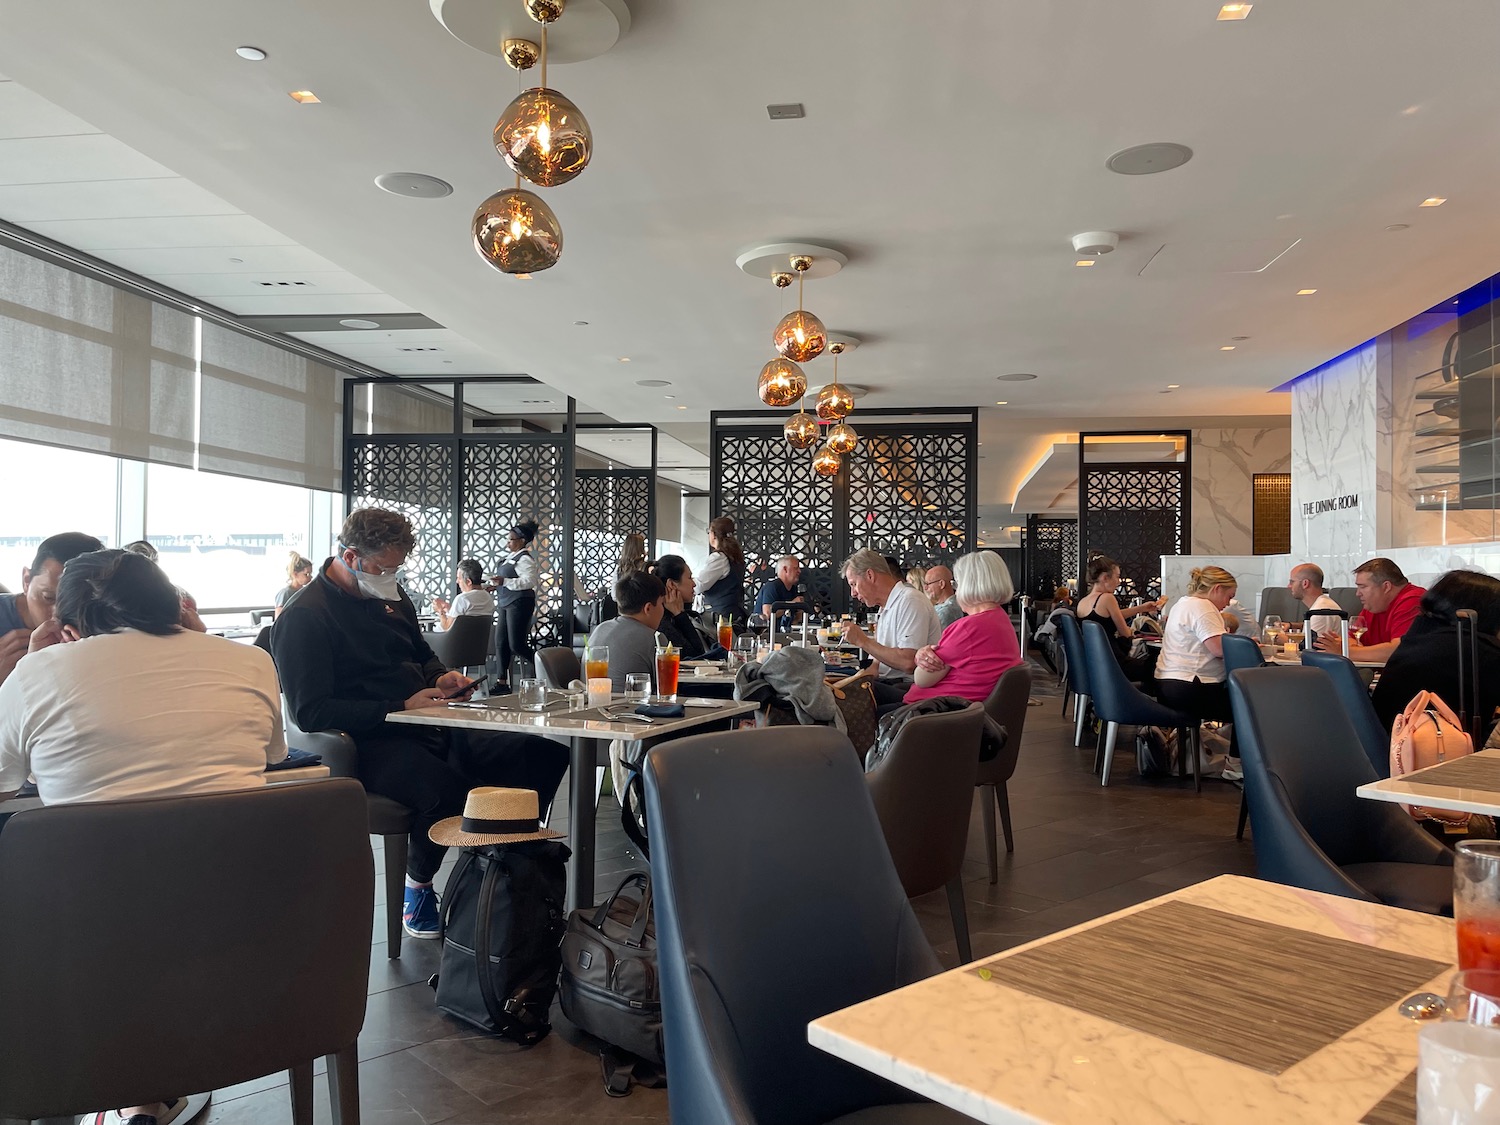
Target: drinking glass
pixel 596 663
pixel 1457 1062
pixel 726 634
pixel 1476 903
pixel 638 687
pixel 758 624
pixel 668 662
pixel 1271 627
pixel 1474 997
pixel 532 694
pixel 1357 631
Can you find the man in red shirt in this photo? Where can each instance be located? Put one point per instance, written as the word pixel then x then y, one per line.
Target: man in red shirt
pixel 1391 604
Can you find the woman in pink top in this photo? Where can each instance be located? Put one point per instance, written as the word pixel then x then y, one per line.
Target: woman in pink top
pixel 978 649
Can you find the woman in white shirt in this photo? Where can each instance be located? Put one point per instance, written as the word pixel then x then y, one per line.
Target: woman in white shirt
pixel 473 599
pixel 1190 674
pixel 515 599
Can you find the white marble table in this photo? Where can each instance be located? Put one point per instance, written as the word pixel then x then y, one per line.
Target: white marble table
pixel 587 736
pixel 1411 790
pixel 1007 1057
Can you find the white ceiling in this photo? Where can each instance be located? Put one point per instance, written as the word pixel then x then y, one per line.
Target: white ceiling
pixel 951 157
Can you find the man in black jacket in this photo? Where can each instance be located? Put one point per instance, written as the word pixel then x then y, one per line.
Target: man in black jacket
pixel 349 653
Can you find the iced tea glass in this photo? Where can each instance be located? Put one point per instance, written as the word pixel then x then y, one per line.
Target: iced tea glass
pixel 596 663
pixel 726 634
pixel 1476 903
pixel 668 663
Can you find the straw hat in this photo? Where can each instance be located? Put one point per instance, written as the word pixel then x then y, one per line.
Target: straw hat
pixel 493 815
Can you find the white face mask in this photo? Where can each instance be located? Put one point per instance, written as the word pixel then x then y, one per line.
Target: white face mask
pixel 382 586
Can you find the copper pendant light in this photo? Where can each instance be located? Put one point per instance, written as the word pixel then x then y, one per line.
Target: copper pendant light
pixel 516 232
pixel 800 336
pixel 834 402
pixel 826 462
pixel 842 438
pixel 801 429
pixel 542 135
pixel 781 383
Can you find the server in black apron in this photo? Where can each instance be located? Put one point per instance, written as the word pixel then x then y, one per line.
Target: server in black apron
pixel 515 599
pixel 723 577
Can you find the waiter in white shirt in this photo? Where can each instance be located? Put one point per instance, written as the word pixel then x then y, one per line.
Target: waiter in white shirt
pixel 907 622
pixel 515 600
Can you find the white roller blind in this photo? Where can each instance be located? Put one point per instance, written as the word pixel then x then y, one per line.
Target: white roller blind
pixel 85 365
pixel 268 413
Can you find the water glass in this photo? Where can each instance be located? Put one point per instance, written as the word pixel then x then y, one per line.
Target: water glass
pixel 1457 1074
pixel 638 687
pixel 1474 997
pixel 1476 903
pixel 532 694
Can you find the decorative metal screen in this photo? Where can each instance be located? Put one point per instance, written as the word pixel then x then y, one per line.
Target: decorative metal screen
pixel 1051 554
pixel 414 478
pixel 608 504
pixel 907 490
pixel 1272 525
pixel 1134 513
pixel 505 481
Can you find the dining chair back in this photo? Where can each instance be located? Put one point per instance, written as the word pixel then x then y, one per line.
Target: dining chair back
pixel 465 643
pixel 1077 673
pixel 1280 601
pixel 1350 689
pixel 1241 651
pixel 1347 598
pixel 755 939
pixel 1118 703
pixel 1007 705
pixel 1303 763
pixel 260 965
pixel 923 790
pixel 558 667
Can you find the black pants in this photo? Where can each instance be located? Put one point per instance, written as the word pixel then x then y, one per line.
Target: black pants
pixel 892 691
pixel 431 771
pixel 513 632
pixel 1202 701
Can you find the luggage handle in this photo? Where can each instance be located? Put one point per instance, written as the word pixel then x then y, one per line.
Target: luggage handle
pixel 1472 618
pixel 642 910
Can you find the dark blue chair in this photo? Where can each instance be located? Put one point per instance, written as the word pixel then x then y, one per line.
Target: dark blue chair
pixel 1354 695
pixel 1117 701
pixel 1241 652
pixel 734 819
pixel 1303 763
pixel 1078 676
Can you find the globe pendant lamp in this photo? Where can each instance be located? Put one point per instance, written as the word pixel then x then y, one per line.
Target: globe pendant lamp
pixel 801 430
pixel 834 402
pixel 800 336
pixel 842 438
pixel 542 135
pixel 781 383
pixel 516 232
pixel 826 462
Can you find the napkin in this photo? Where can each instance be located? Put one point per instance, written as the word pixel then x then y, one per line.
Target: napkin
pixel 661 710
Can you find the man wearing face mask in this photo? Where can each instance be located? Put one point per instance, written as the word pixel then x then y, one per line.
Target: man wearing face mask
pixel 349 653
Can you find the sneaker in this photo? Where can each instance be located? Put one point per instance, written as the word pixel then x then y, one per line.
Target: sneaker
pixel 419 915
pixel 1232 770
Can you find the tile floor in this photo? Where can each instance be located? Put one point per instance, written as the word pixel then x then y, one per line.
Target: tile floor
pixel 1081 851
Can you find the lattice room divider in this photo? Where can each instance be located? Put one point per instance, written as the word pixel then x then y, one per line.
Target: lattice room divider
pixel 1051 555
pixel 908 490
pixel 1135 512
pixel 608 504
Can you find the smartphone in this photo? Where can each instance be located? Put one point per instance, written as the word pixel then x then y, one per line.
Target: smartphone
pixel 467 688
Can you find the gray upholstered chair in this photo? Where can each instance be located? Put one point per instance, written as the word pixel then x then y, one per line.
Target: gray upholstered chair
pixel 465 643
pixel 1007 705
pixel 923 791
pixel 261 964
pixel 558 667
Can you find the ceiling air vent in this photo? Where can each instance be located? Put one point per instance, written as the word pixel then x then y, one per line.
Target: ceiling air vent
pixel 287 284
pixel 419 349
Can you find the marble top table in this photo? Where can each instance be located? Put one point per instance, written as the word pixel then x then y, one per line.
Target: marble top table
pixel 585 729
pixel 1467 784
pixel 1052 1032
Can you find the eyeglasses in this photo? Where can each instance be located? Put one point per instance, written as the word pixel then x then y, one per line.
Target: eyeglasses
pixel 933 581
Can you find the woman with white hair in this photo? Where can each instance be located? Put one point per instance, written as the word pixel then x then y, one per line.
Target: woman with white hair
pixel 979 648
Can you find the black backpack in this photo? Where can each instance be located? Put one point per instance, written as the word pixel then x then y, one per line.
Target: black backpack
pixel 610 987
pixel 502 920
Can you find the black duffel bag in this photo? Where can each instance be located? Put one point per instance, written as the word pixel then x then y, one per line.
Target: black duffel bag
pixel 502 920
pixel 609 984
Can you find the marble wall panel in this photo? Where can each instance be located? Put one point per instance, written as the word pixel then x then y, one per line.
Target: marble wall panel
pixel 1249 571
pixel 1225 462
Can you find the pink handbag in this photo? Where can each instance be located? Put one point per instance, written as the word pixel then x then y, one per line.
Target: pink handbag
pixel 1426 733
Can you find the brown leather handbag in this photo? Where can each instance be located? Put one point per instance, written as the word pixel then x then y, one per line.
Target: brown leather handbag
pixel 856 702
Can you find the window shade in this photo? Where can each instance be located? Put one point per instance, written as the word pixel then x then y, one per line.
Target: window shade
pixel 267 413
pixel 88 366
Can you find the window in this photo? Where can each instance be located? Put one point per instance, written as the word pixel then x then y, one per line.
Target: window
pixel 52 490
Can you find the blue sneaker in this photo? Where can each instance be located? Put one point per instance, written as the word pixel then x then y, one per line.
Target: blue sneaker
pixel 419 915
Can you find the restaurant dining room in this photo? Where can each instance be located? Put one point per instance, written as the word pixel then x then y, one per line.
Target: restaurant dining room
pixel 586 643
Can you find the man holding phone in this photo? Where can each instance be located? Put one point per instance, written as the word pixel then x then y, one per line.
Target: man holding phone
pixel 350 652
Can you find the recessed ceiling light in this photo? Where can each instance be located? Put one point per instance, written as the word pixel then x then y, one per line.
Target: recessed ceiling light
pixel 580 324
pixel 250 54
pixel 1433 201
pixel 1306 292
pixel 668 396
pixel 1227 348
pixel 1016 377
pixel 653 382
pixel 355 322
pixel 1234 11
pixel 624 359
pixel 1173 386
pixel 1084 262
pixel 1003 402
pixel 413 185
pixel 303 97
pixel 238 261
pixel 1398 226
pixel 682 408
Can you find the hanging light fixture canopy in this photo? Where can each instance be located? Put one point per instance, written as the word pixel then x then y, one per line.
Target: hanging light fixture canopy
pixel 800 336
pixel 516 232
pixel 826 462
pixel 545 11
pixel 781 383
pixel 842 438
pixel 801 430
